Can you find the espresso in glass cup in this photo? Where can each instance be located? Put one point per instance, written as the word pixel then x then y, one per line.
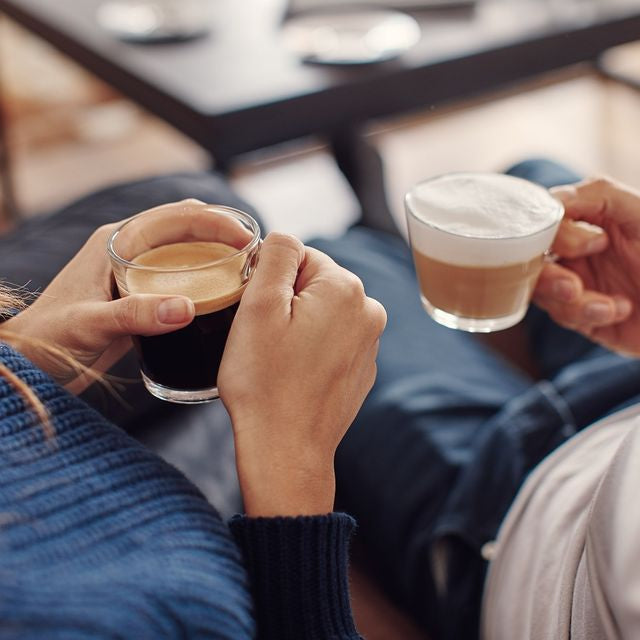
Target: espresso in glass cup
pixel 479 241
pixel 204 252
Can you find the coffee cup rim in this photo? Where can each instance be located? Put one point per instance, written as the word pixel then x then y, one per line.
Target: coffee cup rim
pixel 216 208
pixel 409 211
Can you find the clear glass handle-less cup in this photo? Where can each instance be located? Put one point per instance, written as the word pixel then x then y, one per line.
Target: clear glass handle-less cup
pixel 479 241
pixel 202 251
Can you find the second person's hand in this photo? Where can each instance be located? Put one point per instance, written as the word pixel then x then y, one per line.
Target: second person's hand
pixel 594 288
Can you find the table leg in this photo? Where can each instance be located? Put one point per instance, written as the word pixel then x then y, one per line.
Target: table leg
pixel 363 168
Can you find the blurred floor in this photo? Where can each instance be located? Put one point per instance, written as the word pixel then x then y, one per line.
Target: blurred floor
pixel 70 134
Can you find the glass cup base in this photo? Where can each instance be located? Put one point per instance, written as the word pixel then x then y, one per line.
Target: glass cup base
pixel 473 325
pixel 180 396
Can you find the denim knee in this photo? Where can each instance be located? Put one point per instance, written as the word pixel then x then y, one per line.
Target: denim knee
pixel 546 172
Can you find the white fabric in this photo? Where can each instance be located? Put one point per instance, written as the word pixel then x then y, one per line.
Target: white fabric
pixel 567 558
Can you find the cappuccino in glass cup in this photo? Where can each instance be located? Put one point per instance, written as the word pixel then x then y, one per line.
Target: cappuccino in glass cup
pixel 479 241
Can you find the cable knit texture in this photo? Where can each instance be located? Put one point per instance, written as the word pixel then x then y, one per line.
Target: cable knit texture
pixel 99 538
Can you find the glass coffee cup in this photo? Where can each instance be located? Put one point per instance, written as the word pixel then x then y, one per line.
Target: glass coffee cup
pixel 479 241
pixel 204 252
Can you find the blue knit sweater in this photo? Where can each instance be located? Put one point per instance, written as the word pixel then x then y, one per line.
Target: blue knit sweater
pixel 99 538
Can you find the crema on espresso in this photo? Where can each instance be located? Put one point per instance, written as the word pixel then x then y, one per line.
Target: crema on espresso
pixel 186 269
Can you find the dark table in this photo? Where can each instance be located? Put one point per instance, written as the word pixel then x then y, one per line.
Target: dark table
pixel 239 89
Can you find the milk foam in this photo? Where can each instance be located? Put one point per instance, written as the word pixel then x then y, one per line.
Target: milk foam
pixel 481 219
pixel 211 287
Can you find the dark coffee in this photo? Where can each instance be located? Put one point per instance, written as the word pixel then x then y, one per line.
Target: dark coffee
pixel 189 358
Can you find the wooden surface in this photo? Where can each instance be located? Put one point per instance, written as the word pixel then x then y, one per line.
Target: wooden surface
pixel 239 89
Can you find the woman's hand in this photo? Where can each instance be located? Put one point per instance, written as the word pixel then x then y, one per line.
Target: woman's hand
pixel 594 288
pixel 77 316
pixel 299 361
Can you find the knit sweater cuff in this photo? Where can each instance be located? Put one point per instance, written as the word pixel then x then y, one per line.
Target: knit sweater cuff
pixel 298 572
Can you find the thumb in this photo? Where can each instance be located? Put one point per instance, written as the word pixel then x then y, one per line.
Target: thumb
pixel 140 314
pixel 275 275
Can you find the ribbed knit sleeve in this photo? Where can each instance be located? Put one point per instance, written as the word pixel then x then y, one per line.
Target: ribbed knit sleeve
pixel 298 573
pixel 99 538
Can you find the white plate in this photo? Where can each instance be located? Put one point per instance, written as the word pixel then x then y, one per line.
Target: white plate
pixel 356 36
pixel 153 20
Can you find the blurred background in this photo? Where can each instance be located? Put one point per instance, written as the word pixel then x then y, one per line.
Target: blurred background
pixel 67 133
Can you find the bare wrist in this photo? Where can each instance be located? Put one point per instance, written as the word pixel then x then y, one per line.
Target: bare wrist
pixel 284 486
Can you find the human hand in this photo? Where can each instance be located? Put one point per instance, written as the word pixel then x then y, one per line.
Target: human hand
pixel 594 288
pixel 299 361
pixel 75 320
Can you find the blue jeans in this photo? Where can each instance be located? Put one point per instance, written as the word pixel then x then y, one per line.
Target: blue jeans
pixel 450 431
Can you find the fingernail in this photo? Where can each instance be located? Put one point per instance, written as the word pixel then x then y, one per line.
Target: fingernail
pixel 597 244
pixel 623 307
pixel 564 192
pixel 174 310
pixel 598 312
pixel 564 290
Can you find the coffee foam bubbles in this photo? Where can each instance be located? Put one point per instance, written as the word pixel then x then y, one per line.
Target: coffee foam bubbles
pixel 481 219
pixel 211 287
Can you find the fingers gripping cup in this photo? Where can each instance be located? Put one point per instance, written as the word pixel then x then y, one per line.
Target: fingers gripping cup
pixel 479 242
pixel 204 252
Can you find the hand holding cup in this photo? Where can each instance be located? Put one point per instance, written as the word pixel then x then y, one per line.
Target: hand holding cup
pixel 74 330
pixel 300 359
pixel 594 287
